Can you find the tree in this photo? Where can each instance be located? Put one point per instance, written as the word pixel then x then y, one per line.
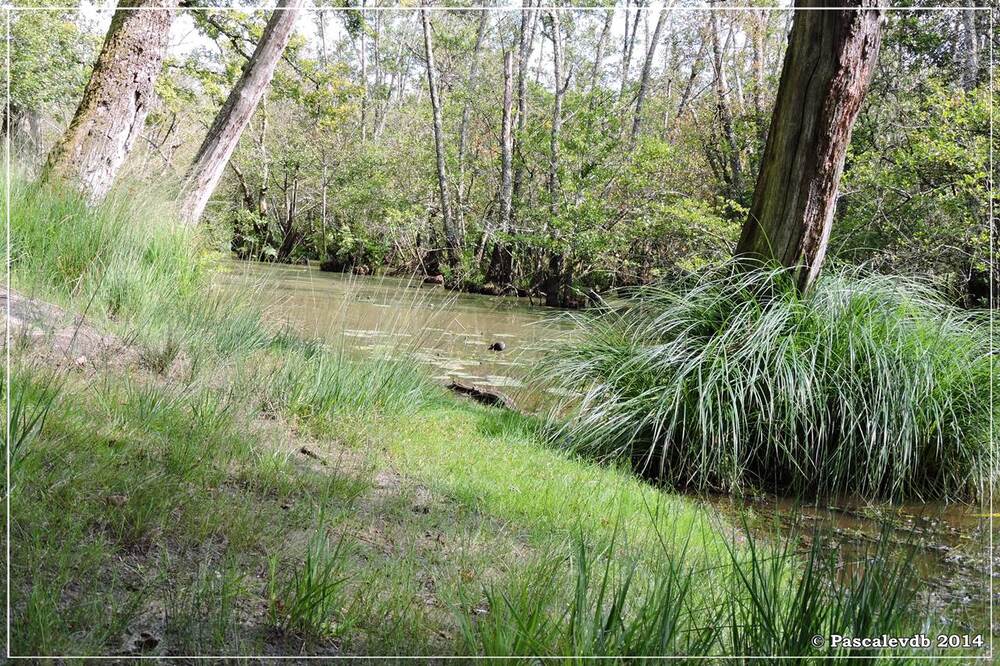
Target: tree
pixel 210 161
pixel 557 282
pixel 501 267
pixel 451 238
pixel 463 128
pixel 725 110
pixel 647 68
pixel 116 99
pixel 828 66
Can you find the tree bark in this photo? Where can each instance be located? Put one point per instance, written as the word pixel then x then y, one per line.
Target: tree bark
pixel 116 99
pixel 209 163
pixel 828 66
pixel 451 238
pixel 501 262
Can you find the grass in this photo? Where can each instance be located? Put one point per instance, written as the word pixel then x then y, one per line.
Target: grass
pixel 602 601
pixel 238 490
pixel 731 379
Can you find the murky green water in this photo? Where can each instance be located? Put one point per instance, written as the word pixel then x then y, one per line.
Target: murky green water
pixel 451 333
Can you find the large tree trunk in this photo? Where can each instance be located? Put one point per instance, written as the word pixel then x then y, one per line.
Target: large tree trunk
pixel 224 135
pixel 828 66
pixel 116 100
pixel 501 263
pixel 450 237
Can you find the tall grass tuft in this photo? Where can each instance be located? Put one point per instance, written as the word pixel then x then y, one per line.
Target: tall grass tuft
pixel 126 253
pixel 308 601
pixel 866 384
pixel 765 599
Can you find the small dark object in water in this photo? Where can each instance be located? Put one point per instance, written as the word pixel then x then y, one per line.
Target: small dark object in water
pixel 483 395
pixel 434 279
pixel 498 346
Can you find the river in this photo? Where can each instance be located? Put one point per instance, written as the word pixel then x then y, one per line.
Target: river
pixel 450 333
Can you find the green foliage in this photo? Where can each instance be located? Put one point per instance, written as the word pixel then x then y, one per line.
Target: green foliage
pixel 917 201
pixel 730 378
pixel 50 54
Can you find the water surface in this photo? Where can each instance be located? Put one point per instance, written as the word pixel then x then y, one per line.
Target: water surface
pixel 449 332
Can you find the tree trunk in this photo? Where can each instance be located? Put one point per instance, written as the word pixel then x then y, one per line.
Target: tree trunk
pixel 595 75
pixel 828 66
pixel 463 129
pixel 220 142
pixel 555 289
pixel 501 263
pixel 364 76
pixel 647 67
pixel 116 100
pixel 725 110
pixel 689 86
pixel 970 72
pixel 450 237
pixel 629 45
pixel 525 43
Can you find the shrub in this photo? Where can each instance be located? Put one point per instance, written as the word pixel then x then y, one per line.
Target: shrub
pixel 866 384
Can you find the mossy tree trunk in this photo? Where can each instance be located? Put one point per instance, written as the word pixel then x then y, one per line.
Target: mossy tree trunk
pixel 224 135
pixel 115 101
pixel 828 66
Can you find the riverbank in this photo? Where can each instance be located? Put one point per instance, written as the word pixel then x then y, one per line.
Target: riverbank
pixel 199 482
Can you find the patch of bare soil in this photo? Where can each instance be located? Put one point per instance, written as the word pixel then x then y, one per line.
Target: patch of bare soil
pixel 59 338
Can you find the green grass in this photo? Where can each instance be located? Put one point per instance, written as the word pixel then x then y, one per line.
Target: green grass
pixel 728 379
pixel 605 600
pixel 241 491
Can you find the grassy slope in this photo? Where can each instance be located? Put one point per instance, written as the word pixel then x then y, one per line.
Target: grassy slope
pixel 237 490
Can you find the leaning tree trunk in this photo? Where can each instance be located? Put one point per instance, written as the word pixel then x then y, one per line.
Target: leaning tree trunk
pixel 828 66
pixel 450 237
pixel 647 68
pixel 116 100
pixel 224 135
